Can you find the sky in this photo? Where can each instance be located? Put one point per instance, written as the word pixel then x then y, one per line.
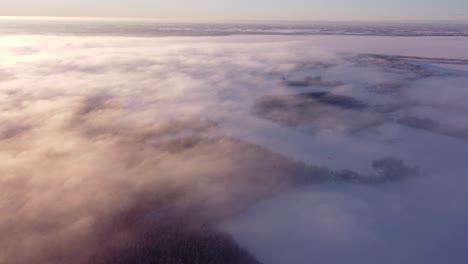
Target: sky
pixel 330 10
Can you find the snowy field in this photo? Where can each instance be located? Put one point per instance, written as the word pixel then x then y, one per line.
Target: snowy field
pixel 285 148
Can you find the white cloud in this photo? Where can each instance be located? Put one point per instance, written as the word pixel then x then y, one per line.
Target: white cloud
pixel 100 132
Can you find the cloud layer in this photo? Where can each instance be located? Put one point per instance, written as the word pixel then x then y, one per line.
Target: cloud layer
pixel 136 149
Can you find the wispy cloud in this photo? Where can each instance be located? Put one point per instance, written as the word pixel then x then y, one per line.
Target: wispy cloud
pixel 111 142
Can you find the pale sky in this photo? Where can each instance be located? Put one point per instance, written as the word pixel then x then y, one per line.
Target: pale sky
pixel 243 9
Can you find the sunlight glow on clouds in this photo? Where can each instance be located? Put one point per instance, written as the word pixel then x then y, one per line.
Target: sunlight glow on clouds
pixel 104 140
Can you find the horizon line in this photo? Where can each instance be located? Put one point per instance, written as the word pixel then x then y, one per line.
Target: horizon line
pixel 198 20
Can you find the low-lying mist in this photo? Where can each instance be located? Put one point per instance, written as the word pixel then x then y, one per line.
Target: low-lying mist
pixel 178 150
